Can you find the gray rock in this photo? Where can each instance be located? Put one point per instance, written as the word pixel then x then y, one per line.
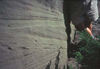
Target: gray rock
pixel 32 35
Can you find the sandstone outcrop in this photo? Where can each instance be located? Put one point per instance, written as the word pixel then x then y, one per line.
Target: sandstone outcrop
pixel 32 35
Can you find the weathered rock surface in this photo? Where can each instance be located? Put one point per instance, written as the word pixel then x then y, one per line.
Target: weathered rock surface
pixel 96 28
pixel 32 35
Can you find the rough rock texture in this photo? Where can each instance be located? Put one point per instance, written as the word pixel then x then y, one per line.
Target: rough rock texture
pixel 96 28
pixel 32 35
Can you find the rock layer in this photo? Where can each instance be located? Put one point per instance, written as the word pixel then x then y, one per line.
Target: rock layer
pixel 32 35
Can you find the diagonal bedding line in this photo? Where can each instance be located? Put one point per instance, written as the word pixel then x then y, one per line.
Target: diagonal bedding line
pixel 33 18
pixel 48 36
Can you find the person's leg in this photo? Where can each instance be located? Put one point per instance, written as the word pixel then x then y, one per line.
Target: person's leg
pixel 90 27
pixel 89 30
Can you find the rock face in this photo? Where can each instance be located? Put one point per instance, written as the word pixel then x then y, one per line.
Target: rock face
pixel 96 28
pixel 32 35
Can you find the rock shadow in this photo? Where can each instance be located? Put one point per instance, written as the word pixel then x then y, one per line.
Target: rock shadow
pixel 48 65
pixel 57 60
pixel 67 21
